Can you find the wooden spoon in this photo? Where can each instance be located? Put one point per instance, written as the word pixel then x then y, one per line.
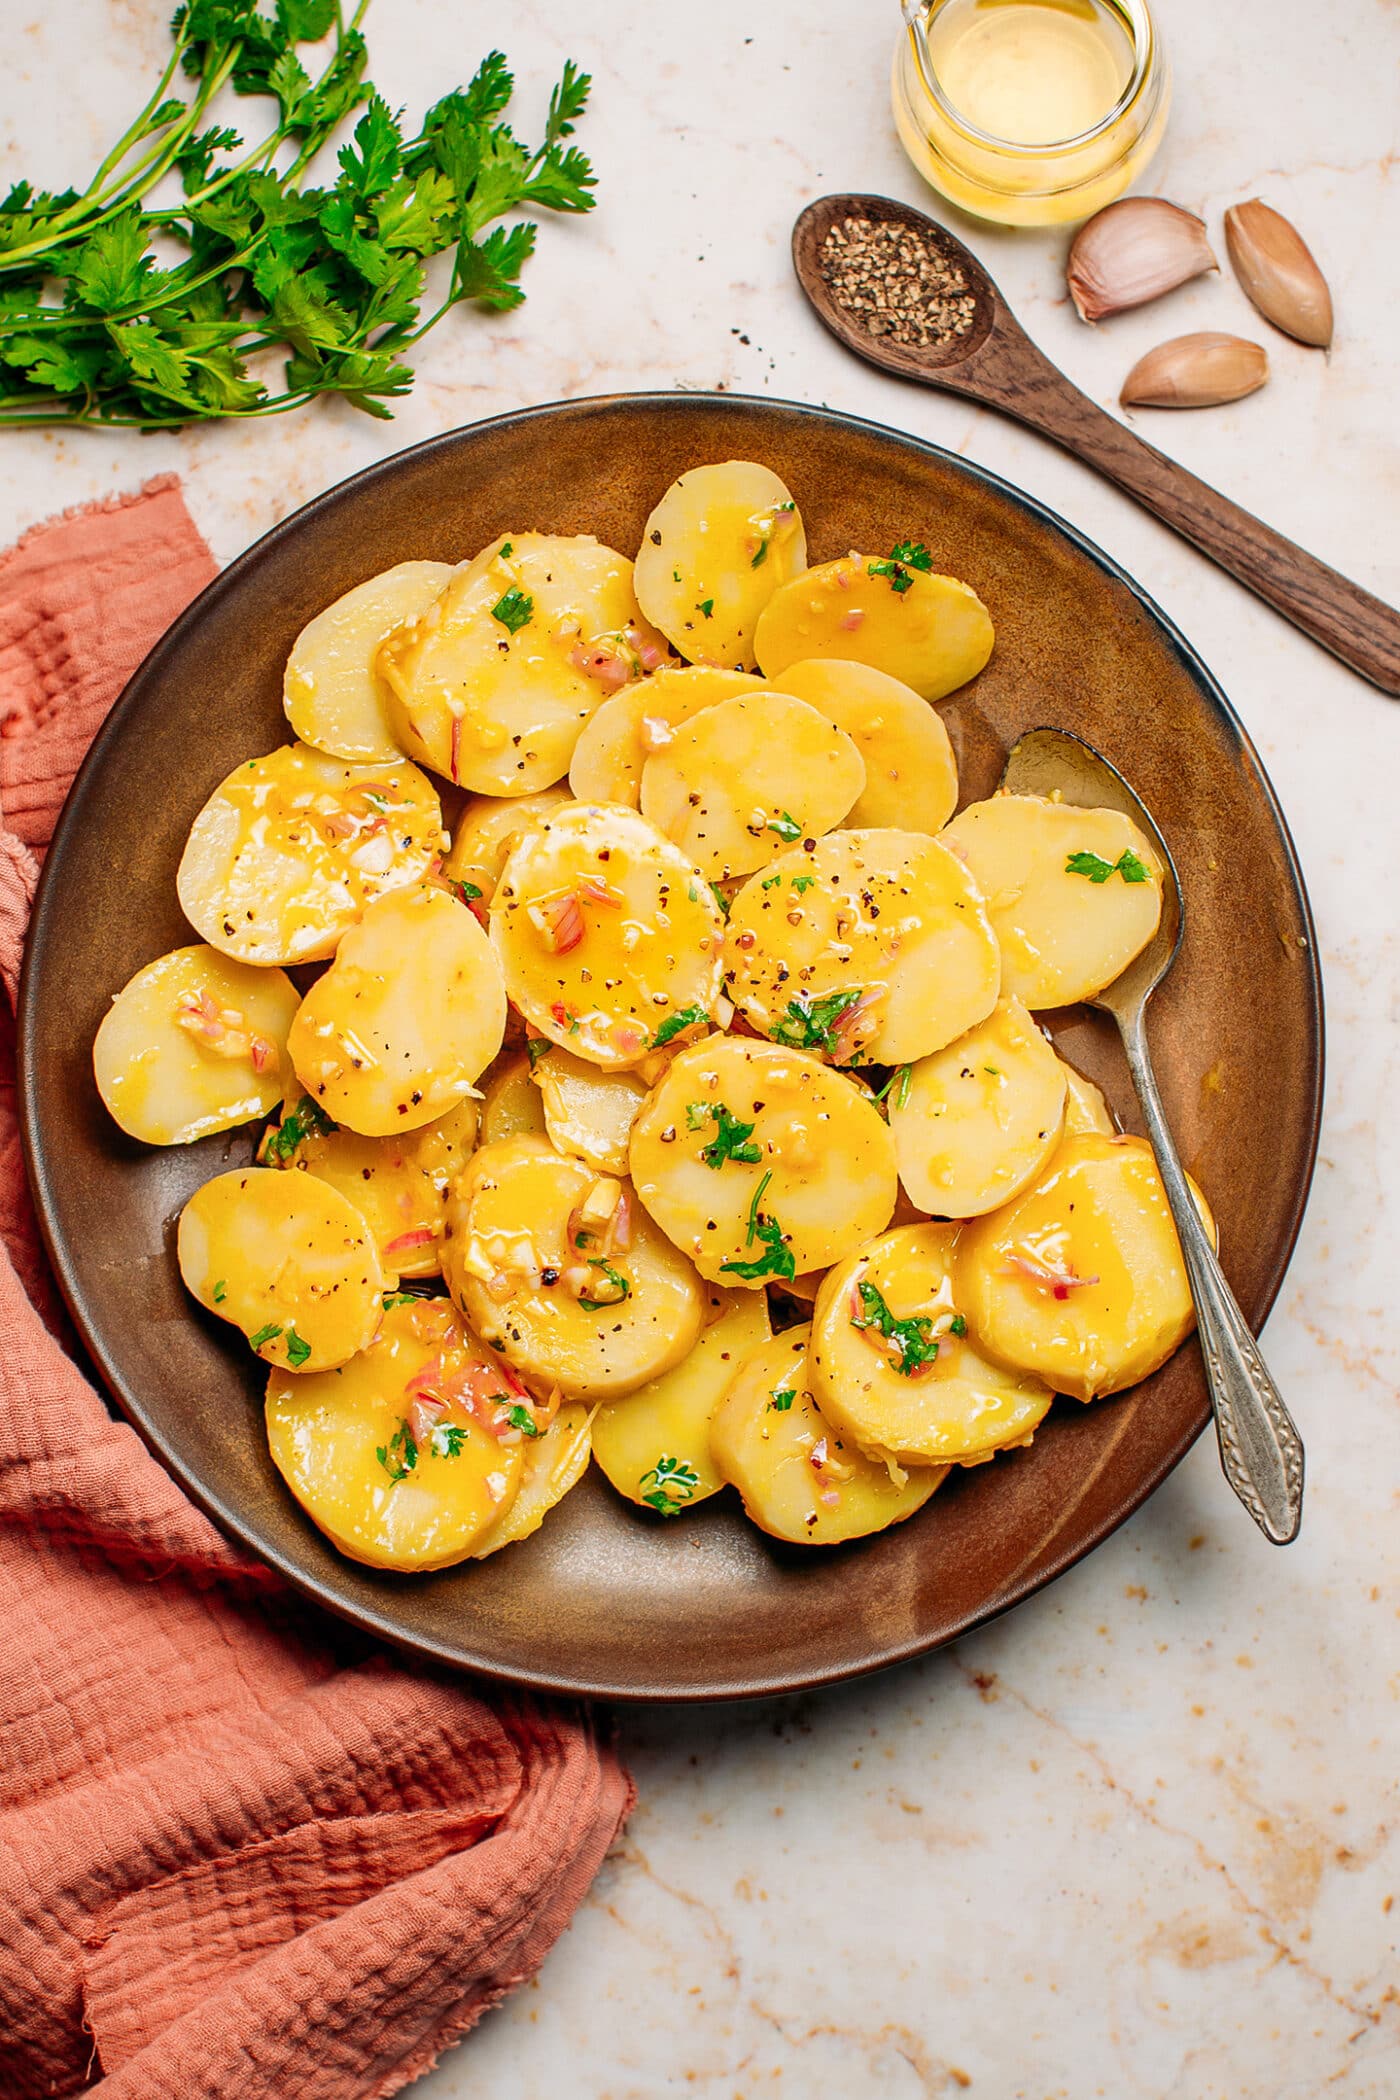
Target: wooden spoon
pixel 996 363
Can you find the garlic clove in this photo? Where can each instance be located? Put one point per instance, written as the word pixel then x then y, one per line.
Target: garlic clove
pixel 1276 268
pixel 1133 251
pixel 1195 371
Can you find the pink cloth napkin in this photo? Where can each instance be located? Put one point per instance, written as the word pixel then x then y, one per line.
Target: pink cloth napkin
pixel 242 1854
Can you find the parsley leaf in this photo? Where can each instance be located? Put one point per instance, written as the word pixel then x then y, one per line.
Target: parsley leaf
pixel 298 1349
pixel 615 1277
pixel 776 1258
pixel 810 1024
pixel 707 607
pixel 514 609
pixel 675 1024
pixel 913 554
pixel 395 1298
pixel 220 1291
pixel 264 1335
pixel 786 826
pixel 521 1418
pixel 731 1138
pixel 780 1400
pixel 721 900
pixel 536 1047
pixel 448 1440
pixel 802 883
pixel 673 1484
pixel 1098 870
pixel 912 1340
pixel 400 1455
pixel 306 1120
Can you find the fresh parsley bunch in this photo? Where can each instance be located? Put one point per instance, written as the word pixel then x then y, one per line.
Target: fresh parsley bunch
pixel 93 330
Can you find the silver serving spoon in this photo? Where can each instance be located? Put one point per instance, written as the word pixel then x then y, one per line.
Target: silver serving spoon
pixel 1260 1447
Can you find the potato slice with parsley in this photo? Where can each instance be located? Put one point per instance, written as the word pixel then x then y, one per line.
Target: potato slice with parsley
pixel 911 775
pixel 287 1259
pixel 293 847
pixel 1080 1281
pixel 492 684
pixel 588 1114
pixel 976 1122
pixel 748 777
pixel 409 1013
pixel 487 833
pixel 931 632
pixel 398 1184
pixel 895 1368
pixel 394 1456
pixel 334 697
pixel 722 539
pixel 511 1104
pixel 194 1043
pixel 798 1478
pixel 616 742
pixel 873 947
pixel 741 1151
pixel 1074 894
pixel 556 1268
pixel 1085 1106
pixel 554 1463
pixel 654 1446
pixel 607 936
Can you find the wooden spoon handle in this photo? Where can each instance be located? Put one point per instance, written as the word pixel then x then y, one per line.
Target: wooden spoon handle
pixel 1357 627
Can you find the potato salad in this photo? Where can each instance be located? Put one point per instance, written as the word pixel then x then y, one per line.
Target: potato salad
pixel 645 1046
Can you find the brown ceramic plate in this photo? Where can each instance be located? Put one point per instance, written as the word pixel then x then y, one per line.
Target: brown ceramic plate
pixel 607 1600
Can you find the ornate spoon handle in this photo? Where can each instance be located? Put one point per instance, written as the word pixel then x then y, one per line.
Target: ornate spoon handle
pixel 1260 1447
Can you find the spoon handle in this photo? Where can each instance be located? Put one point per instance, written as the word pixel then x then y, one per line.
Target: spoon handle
pixel 1260 1447
pixel 1356 626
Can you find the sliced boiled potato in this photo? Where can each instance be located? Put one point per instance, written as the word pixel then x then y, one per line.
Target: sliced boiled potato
pixel 409 1013
pixel 911 775
pixel 606 934
pixel 391 1474
pixel 291 848
pixel 543 1266
pixel 1085 1106
pixel 588 1114
pixel 797 1476
pixel 511 1104
pixel 398 1184
pixel 334 697
pixel 193 1044
pixel 1074 894
pixel 492 684
pixel 616 742
pixel 1080 1280
pixel 554 1463
pixel 287 1259
pixel 977 1121
pixel 761 1163
pixel 873 947
pixel 896 1370
pixel 488 832
pixel 746 778
pixel 931 632
pixel 654 1446
pixel 718 544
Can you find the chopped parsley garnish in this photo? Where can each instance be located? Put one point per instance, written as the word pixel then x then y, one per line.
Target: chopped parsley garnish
pixel 776 1259
pixel 900 578
pixel 673 1484
pixel 762 555
pixel 514 609
pixel 786 826
pixel 449 1439
pixel 721 900
pixel 908 555
pixel 469 892
pixel 306 1120
pixel 521 1418
pixel 264 1334
pixel 220 1291
pixel 906 1080
pixel 395 1298
pixel 781 1400
pixel 770 882
pixel 298 1349
pixel 731 1138
pixel 536 1047
pixel 507 549
pixel 912 1339
pixel 400 1455
pixel 802 883
pixel 1098 869
pixel 615 1278
pixel 707 607
pixel 675 575
pixel 810 1024
pixel 676 1024
pixel 914 555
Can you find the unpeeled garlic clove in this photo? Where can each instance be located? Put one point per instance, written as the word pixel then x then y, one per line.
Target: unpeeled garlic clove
pixel 1133 251
pixel 1195 371
pixel 1276 268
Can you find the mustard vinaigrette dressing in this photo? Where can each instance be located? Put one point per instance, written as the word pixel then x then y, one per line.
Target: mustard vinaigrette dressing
pixel 1031 112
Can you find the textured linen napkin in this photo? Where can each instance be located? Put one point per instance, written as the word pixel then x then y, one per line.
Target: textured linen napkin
pixel 242 1852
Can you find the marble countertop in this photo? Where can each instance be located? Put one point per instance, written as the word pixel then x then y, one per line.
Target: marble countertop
pixel 1138 1838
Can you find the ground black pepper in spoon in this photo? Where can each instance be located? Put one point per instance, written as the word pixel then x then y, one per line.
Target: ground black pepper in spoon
pixel 892 285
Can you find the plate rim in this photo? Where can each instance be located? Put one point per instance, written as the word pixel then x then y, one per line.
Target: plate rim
pixel 554 1680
